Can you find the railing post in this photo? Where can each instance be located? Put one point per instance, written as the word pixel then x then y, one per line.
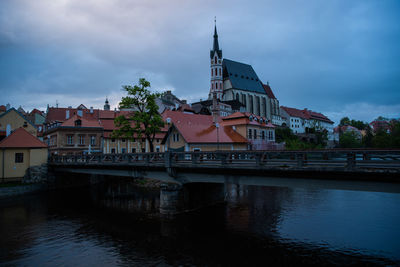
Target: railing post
pixel 222 158
pixel 300 160
pixel 351 161
pixel 258 159
pixel 194 158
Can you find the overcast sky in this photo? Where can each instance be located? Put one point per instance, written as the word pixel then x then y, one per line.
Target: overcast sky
pixel 336 57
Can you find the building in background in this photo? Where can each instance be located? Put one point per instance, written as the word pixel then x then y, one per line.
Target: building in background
pixel 19 151
pixel 11 120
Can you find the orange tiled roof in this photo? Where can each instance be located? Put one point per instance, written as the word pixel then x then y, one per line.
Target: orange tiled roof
pixel 84 122
pixel 20 138
pixel 196 128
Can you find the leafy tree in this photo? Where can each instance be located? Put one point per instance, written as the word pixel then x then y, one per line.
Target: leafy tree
pixel 395 135
pixel 368 137
pixel 382 139
pixel 344 121
pixel 349 140
pixel 145 119
pixel 284 134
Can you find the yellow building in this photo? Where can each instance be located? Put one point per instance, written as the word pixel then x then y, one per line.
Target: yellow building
pixel 19 151
pixel 12 120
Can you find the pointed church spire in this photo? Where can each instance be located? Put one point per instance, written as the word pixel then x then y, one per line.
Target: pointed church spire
pixel 215 44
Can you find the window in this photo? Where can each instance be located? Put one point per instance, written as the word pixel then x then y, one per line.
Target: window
pixel 215 59
pixel 157 149
pixel 78 123
pixel 250 132
pixel 143 150
pixel 80 113
pixel 219 72
pixel 216 72
pixel 123 150
pixel 143 140
pixel 263 135
pixel 113 140
pixel 158 140
pixel 93 140
pixel 255 134
pixel 196 149
pixel 133 150
pixel 19 157
pixel 113 150
pixel 70 139
pixel 177 137
pixel 81 139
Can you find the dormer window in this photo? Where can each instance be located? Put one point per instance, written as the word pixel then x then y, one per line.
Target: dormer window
pixel 25 124
pixel 78 123
pixel 80 113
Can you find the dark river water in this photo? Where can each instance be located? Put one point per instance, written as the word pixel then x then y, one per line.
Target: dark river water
pixel 256 226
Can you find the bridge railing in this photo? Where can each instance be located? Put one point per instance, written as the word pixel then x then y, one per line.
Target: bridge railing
pixel 349 159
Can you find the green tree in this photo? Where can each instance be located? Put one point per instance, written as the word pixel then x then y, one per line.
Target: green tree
pixel 349 140
pixel 284 134
pixel 145 119
pixel 382 139
pixel 368 137
pixel 395 135
pixel 344 121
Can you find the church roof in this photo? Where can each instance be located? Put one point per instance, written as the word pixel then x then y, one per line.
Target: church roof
pixel 242 76
pixel 268 90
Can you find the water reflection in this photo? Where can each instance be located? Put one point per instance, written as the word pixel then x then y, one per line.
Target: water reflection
pixel 257 226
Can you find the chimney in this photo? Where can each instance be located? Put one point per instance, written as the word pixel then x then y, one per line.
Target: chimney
pixel 91 110
pixel 184 101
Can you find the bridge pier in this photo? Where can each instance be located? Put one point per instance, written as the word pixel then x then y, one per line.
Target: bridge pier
pixel 176 199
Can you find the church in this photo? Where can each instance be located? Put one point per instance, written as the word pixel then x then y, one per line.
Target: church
pixel 233 81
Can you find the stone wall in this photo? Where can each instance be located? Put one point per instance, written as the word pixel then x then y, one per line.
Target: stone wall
pixel 36 174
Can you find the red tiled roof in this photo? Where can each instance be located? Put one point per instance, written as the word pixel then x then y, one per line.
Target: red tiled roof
pixel 306 114
pixel 20 138
pixel 84 122
pixel 196 128
pixel 268 90
pixel 3 108
pixel 36 111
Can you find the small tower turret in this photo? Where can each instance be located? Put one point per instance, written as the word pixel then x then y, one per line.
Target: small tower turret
pixel 106 105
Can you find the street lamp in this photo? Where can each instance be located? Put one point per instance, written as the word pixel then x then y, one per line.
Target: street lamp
pixel 217 126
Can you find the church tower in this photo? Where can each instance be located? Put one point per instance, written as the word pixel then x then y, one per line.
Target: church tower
pixel 106 105
pixel 216 85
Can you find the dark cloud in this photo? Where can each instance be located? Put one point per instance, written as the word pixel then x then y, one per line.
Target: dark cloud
pixel 334 57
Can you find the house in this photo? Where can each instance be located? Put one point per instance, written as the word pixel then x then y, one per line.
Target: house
pixel 168 100
pixel 338 130
pixel 196 132
pixel 302 121
pixel 11 120
pixel 125 145
pixel 259 133
pixel 19 151
pixel 76 135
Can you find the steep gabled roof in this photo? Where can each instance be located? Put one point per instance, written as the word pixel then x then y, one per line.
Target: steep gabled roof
pixel 20 138
pixel 242 76
pixel 20 114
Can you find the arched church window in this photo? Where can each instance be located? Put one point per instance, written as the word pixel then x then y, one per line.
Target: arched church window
pixel 219 72
pixel 215 60
pixel 251 104
pixel 237 96
pixel 216 72
pixel 233 95
pixel 244 100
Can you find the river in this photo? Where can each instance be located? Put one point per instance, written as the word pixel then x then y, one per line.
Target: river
pixel 256 226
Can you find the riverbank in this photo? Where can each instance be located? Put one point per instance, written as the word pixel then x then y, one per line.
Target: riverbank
pixel 16 189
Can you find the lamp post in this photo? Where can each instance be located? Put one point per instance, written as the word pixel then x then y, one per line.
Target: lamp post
pixel 217 126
